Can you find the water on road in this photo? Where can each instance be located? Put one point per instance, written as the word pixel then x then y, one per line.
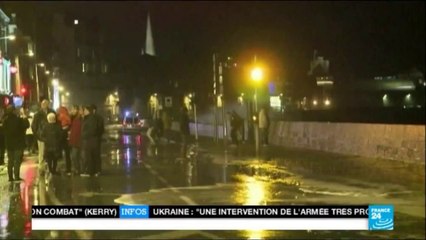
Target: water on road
pixel 134 174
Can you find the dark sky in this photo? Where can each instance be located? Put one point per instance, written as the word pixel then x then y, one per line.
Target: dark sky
pixel 360 38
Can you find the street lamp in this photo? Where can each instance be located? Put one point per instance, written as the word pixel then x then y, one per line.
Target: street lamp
pixel 47 72
pixel 327 102
pixel 10 37
pixel 37 81
pixel 191 103
pixel 154 105
pixel 256 76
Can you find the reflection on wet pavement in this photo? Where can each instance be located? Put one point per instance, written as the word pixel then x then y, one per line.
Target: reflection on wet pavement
pixel 16 201
pixel 131 176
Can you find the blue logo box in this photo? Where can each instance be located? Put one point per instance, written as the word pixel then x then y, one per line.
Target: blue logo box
pixel 380 217
pixel 134 211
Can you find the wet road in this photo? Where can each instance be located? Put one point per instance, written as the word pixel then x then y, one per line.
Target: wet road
pixel 134 175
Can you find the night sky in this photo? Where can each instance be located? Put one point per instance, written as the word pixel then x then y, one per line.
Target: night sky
pixel 360 39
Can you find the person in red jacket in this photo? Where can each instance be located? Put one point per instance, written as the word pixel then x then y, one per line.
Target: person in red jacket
pixel 64 120
pixel 75 139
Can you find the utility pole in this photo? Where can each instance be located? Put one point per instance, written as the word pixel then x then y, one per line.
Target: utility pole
pixel 215 99
pixel 37 83
pixel 195 119
pixel 257 134
pixel 224 127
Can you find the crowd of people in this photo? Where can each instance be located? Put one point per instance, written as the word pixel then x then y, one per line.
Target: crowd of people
pixel 160 127
pixel 74 136
pixel 238 131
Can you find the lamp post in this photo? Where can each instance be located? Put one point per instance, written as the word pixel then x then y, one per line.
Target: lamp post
pixel 215 99
pixel 219 93
pixel 256 77
pixel 37 81
pixel 192 97
pixel 55 93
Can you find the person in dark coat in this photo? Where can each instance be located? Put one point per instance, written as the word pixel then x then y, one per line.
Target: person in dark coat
pixel 90 141
pixel 236 125
pixel 184 129
pixel 14 133
pixel 100 129
pixel 52 134
pixel 39 121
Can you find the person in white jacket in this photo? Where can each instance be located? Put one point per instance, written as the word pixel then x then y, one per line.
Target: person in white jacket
pixel 29 135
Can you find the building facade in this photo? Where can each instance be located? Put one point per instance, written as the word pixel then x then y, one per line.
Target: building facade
pixel 5 64
pixel 78 59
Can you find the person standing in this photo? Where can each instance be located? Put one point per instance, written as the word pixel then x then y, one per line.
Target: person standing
pixel 65 122
pixel 264 125
pixel 89 137
pixel 39 122
pixel 153 135
pixel 184 129
pixel 236 123
pixel 29 136
pixel 51 134
pixel 100 129
pixel 167 125
pixel 14 132
pixel 75 139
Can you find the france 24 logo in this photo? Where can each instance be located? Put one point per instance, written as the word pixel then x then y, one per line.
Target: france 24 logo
pixel 380 217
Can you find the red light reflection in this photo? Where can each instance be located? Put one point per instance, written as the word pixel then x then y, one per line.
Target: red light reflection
pixel 138 140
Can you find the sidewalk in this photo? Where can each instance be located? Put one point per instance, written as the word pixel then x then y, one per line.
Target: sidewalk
pixel 4 180
pixel 3 168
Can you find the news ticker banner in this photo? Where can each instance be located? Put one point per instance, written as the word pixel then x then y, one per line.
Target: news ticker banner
pixel 215 217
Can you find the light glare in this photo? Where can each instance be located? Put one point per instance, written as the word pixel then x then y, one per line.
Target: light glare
pixel 257 74
pixel 327 102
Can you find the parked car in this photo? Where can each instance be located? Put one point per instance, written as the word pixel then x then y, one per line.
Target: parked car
pixel 132 121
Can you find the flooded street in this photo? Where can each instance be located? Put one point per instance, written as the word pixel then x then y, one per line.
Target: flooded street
pixel 133 174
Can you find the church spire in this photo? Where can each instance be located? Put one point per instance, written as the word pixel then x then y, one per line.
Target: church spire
pixel 149 41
